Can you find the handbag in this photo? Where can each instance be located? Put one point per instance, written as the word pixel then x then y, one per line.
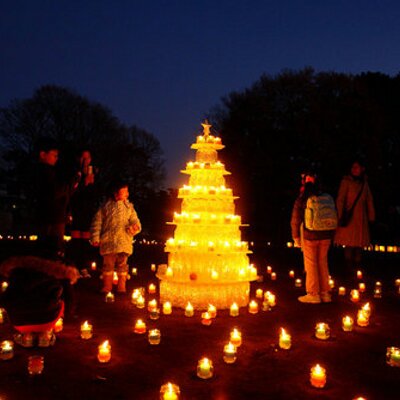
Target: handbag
pixel 347 215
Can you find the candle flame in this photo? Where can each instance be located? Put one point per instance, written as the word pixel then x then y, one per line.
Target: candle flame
pixel 366 307
pixel 85 325
pixel 105 344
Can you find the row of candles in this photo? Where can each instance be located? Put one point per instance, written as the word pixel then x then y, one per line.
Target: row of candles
pixel 237 245
pixel 187 190
pixel 195 218
pixel 378 248
pixel 201 165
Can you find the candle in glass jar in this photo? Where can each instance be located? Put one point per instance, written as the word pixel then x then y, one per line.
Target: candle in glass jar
pixel 291 274
pixel 35 365
pixel 347 323
pixel 189 312
pixel 270 298
pixel 153 267
pixel 86 330
pixel 206 318
pixel 377 292
pixel 135 295
pixel 104 352
pixel 154 336
pixel 4 286
pixel 269 269
pixel 212 311
pixel 355 296
pixel 152 305
pixel 109 297
pixel 297 282
pixel 205 368
pixel 285 340
pixel 361 287
pixel 93 266
pixel 273 276
pixel 229 353
pixel 134 271
pixel 6 350
pixel 331 283
pixel 366 310
pixel 362 319
pixel 318 376
pixel 152 288
pixel 253 307
pixel 322 331
pixel 359 274
pixel 59 325
pixel 236 337
pixel 259 293
pixel 140 327
pixel 167 308
pixel 169 391
pixel 393 356
pixel 342 291
pixel 140 302
pixel 234 310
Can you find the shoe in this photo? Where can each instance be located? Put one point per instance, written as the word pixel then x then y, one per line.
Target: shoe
pixel 326 297
pixel 46 339
pixel 24 339
pixel 310 298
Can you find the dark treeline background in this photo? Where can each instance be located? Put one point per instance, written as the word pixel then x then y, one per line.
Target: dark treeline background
pixel 295 120
pixel 274 130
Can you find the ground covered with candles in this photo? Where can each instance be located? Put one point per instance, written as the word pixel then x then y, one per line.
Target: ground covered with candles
pixel 355 361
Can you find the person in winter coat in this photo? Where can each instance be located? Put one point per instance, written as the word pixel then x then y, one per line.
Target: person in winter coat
pixel 113 228
pixel 354 194
pixel 314 244
pixel 34 297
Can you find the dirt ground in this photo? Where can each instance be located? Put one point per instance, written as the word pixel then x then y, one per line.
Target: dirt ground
pixel 355 361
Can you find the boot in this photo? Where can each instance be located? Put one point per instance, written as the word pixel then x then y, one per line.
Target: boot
pixel 121 288
pixel 107 282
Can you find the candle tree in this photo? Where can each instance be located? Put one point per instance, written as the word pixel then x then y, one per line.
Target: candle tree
pixel 207 261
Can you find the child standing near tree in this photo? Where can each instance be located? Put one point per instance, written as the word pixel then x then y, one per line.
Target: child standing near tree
pixel 113 228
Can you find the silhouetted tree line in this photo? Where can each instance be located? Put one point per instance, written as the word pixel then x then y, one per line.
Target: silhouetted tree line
pixel 297 120
pixel 75 122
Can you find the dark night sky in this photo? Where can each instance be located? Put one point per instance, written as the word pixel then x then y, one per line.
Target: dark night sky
pixel 162 64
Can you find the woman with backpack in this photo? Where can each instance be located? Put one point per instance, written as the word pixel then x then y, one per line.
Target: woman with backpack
pixel 313 224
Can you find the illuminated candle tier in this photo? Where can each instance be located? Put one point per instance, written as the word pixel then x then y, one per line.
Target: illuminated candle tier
pixel 205 368
pixel 322 331
pixel 236 337
pixel 285 340
pixel 347 324
pixel 86 330
pixel 207 260
pixel 393 356
pixel 154 336
pixel 318 376
pixel 140 327
pixel 6 350
pixel 229 353
pixel 169 391
pixel 104 352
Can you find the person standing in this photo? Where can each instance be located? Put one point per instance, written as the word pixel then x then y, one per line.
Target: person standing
pixel 113 228
pixel 313 223
pixel 356 210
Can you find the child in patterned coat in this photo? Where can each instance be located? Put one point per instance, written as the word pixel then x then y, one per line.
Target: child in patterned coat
pixel 113 228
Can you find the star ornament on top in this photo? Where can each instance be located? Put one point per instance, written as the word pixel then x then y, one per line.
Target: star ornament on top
pixel 206 128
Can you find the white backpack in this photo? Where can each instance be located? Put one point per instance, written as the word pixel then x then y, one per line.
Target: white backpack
pixel 320 213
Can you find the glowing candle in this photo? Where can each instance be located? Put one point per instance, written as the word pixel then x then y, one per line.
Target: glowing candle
pixel 169 391
pixel 189 312
pixel 331 283
pixel 93 266
pixel 397 282
pixel 273 276
pixel 289 244
pixel 86 330
pixel 318 376
pixel 59 325
pixel 214 275
pixel 109 298
pixel 393 356
pixel 167 308
pixel 134 271
pixel 361 287
pixel 234 310
pixel 206 318
pixel 297 282
pixel 269 269
pixel 205 368
pixel 359 274
pixel 229 353
pixel 270 298
pixel 285 340
pixel 140 302
pixel 266 306
pixel 212 311
pixel 347 323
pixel 152 304
pixel 355 296
pixel 366 310
pixel 291 274
pixel 152 288
pixel 140 327
pixel 6 350
pixel 362 319
pixel 35 365
pixel 377 292
pixel 236 337
pixel 259 293
pixel 4 286
pixel 115 278
pixel 253 307
pixel 342 291
pixel 322 331
pixel 154 336
pixel 135 295
pixel 104 352
pixel 153 267
pixel 169 273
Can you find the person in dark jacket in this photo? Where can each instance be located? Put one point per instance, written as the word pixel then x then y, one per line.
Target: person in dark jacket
pixel 314 244
pixel 33 298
